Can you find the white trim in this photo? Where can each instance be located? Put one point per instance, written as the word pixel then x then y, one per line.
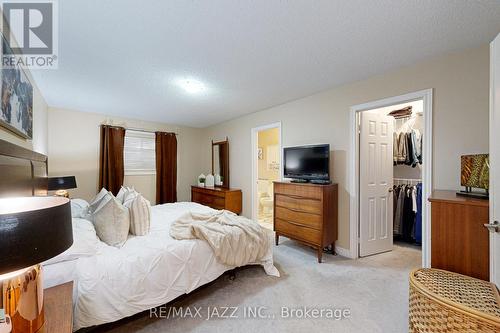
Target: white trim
pixel 254 143
pixel 353 172
pixel 342 252
pixel 493 85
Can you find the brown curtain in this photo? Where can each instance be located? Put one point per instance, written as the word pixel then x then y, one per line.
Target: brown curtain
pixel 111 169
pixel 224 163
pixel 166 167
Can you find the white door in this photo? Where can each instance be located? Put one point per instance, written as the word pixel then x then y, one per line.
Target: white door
pixel 495 160
pixel 375 183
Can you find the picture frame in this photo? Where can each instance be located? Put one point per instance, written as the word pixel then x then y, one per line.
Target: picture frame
pixel 16 104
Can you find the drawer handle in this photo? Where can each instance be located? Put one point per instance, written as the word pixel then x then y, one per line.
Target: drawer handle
pixel 297 224
pixel 298 197
pixel 298 210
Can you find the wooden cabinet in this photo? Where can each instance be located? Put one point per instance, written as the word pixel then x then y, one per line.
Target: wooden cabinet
pixel 58 307
pixel 459 241
pixel 217 198
pixel 307 213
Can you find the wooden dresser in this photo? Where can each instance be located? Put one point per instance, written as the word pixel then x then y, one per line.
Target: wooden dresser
pixel 307 213
pixel 459 241
pixel 217 197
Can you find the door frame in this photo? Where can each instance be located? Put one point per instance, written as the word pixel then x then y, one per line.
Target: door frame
pixel 353 172
pixel 254 135
pixel 494 86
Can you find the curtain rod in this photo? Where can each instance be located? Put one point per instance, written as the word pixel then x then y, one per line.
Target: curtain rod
pixel 137 129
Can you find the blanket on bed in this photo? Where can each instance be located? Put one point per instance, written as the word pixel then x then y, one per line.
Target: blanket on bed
pixel 235 240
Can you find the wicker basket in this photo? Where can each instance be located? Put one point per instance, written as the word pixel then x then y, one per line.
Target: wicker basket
pixel 442 301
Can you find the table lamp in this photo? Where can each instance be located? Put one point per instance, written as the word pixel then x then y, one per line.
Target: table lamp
pixel 32 230
pixel 61 185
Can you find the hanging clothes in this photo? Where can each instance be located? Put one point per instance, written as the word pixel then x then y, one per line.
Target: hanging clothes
pixel 418 223
pixel 407 213
pixel 408 148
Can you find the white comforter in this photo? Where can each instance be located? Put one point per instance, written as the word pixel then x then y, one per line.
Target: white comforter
pixel 146 272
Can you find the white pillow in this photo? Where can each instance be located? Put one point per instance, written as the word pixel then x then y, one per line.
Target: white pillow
pixel 94 203
pixel 112 222
pixel 129 196
pixel 85 242
pixel 79 208
pixel 140 215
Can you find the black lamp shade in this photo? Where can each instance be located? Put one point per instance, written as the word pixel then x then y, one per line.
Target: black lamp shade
pixel 32 230
pixel 62 183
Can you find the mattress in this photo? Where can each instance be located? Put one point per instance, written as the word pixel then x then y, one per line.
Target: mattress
pixel 146 272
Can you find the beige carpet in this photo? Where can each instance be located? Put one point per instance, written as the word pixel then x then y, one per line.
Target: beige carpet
pixel 374 289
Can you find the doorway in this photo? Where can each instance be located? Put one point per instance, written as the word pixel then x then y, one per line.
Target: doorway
pixel 266 168
pixel 379 176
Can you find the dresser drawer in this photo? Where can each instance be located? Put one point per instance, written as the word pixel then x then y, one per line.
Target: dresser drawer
pixel 298 191
pixel 297 231
pixel 208 200
pixel 306 219
pixel 208 191
pixel 306 205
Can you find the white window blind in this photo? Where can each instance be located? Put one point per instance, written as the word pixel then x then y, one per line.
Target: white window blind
pixel 139 153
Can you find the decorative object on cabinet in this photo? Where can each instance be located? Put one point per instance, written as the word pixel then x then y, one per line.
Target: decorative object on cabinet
pixel 37 229
pixel 217 180
pixel 201 180
pixel 442 301
pixel 210 181
pixel 218 198
pixel 460 243
pixel 61 185
pixel 220 161
pixel 475 173
pixel 307 213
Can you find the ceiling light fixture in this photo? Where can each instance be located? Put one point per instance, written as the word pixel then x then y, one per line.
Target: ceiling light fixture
pixel 191 86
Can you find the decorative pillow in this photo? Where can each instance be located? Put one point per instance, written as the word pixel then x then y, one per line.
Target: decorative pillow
pixel 123 192
pixel 112 222
pixel 140 215
pixel 97 199
pixel 85 242
pixel 79 208
pixel 130 195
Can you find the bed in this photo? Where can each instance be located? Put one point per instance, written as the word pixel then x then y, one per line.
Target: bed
pixel 146 272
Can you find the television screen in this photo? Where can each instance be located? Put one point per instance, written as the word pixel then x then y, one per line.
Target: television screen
pixel 475 171
pixel 307 162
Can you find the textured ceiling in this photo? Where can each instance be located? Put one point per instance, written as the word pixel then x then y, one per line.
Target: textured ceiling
pixel 120 57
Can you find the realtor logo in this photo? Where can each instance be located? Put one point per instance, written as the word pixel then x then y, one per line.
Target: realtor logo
pixel 30 32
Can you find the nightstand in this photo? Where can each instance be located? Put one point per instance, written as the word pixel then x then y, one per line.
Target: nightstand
pixel 58 306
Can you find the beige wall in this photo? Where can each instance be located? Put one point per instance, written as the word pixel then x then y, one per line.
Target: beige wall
pixel 461 85
pixel 269 137
pixel 74 150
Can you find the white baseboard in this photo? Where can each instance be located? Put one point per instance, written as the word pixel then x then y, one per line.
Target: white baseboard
pixel 343 252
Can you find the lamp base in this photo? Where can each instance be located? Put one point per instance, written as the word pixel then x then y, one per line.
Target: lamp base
pixel 62 193
pixel 22 301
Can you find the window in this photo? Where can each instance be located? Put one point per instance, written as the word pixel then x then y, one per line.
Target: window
pixel 139 153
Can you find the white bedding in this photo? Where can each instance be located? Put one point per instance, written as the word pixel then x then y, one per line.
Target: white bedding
pixel 146 272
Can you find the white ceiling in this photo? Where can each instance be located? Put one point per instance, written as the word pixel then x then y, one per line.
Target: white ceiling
pixel 119 57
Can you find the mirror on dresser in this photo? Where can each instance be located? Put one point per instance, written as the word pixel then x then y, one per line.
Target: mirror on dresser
pixel 220 161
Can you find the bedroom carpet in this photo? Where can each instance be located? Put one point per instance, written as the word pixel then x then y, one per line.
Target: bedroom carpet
pixel 373 289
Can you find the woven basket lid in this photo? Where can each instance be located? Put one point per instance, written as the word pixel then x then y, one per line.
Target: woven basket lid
pixel 464 290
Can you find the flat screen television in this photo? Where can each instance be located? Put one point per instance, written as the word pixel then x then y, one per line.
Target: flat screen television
pixel 307 162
